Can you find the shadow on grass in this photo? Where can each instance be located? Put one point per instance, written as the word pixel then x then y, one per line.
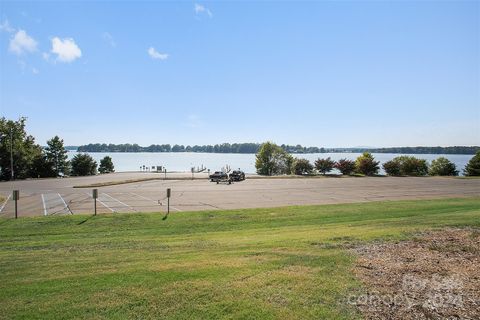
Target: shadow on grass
pixel 82 222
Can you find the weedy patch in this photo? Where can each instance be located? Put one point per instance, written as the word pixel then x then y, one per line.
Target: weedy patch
pixel 433 276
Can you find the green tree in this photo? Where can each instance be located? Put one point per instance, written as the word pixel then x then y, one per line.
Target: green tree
pixel 106 165
pixel 345 166
pixel 41 167
pixel 366 164
pixel 25 151
pixel 324 165
pixel 406 166
pixel 411 166
pixel 83 165
pixel 392 168
pixel 442 167
pixel 271 160
pixel 302 166
pixel 473 166
pixel 57 155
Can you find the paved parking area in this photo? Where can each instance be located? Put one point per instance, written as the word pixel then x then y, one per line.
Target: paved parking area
pixel 58 197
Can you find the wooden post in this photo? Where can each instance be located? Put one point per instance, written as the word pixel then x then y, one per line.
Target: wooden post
pixel 95 196
pixel 16 197
pixel 169 191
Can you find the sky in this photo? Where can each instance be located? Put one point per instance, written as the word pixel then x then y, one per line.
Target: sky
pixel 326 74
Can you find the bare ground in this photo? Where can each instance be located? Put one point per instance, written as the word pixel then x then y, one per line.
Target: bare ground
pixel 435 275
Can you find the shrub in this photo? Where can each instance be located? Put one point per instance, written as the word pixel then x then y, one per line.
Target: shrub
pixel 411 166
pixel 406 166
pixel 442 167
pixel 302 166
pixel 473 166
pixel 366 164
pixel 106 165
pixel 324 165
pixel 83 165
pixel 392 168
pixel 345 166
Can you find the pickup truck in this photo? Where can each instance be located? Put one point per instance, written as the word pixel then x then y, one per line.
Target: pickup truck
pixel 237 175
pixel 218 176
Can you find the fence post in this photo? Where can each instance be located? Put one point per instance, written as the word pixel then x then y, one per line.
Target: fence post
pixel 169 191
pixel 16 197
pixel 95 196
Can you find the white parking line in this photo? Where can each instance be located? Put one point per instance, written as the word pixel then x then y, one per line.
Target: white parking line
pixel 156 201
pixel 5 203
pixel 126 205
pixel 102 203
pixel 145 198
pixel 65 204
pixel 175 208
pixel 44 206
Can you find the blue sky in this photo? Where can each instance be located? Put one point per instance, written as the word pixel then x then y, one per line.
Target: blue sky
pixel 329 74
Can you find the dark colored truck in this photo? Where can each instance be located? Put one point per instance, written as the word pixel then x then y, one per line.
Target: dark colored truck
pixel 237 175
pixel 218 176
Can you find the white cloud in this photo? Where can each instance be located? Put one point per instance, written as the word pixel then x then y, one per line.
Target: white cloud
pixel 200 9
pixel 21 42
pixel 154 54
pixel 5 26
pixel 46 56
pixel 109 39
pixel 65 49
pixel 35 71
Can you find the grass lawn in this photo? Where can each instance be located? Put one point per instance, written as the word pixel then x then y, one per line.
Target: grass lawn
pixel 287 263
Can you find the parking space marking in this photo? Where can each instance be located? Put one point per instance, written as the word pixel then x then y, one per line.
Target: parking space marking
pixel 65 204
pixel 156 201
pixel 145 198
pixel 5 203
pixel 126 205
pixel 44 206
pixel 102 203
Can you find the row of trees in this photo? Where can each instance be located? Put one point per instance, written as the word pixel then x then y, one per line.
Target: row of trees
pixel 271 159
pixel 21 157
pixel 255 147
pixel 218 148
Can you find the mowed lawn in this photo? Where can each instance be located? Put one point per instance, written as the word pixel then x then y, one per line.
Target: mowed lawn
pixel 278 263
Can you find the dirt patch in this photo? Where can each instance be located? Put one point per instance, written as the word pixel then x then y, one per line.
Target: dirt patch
pixel 435 275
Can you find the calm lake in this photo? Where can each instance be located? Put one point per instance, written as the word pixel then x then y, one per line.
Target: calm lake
pixel 183 161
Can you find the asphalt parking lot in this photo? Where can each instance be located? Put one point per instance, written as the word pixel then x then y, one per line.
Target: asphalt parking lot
pixel 58 197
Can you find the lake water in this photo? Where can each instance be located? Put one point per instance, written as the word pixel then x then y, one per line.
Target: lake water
pixel 183 161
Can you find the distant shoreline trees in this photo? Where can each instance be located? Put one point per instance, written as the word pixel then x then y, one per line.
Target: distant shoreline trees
pixel 253 148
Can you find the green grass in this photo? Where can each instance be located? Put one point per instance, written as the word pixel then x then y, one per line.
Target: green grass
pixel 276 263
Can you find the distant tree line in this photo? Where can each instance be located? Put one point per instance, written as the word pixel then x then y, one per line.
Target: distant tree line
pixel 423 150
pixel 271 160
pixel 255 147
pixel 218 148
